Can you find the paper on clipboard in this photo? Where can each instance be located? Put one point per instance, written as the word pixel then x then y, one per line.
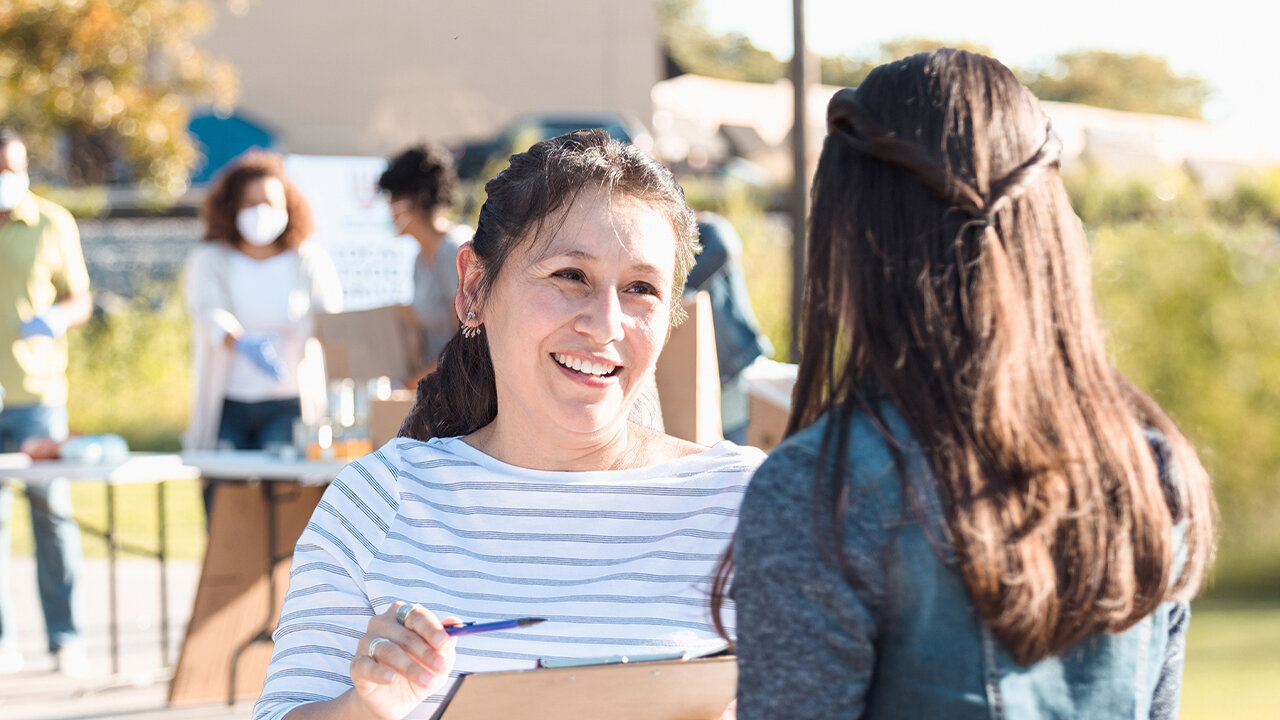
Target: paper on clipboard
pixel 698 689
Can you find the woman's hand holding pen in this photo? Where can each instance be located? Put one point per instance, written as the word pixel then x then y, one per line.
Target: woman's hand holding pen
pixel 404 656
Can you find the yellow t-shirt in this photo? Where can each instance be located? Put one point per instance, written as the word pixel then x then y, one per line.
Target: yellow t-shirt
pixel 40 263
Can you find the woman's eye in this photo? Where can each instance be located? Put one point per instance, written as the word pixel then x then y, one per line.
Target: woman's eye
pixel 643 288
pixel 571 275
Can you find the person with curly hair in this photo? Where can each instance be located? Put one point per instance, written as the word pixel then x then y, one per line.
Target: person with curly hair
pixel 253 286
pixel 423 190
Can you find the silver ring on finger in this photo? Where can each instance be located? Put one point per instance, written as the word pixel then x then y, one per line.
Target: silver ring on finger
pixel 402 615
pixel 373 647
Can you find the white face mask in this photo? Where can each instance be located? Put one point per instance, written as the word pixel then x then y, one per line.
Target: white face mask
pixel 401 209
pixel 13 187
pixel 261 224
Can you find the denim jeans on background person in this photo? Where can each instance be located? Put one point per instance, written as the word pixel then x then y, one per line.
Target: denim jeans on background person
pixel 56 533
pixel 253 426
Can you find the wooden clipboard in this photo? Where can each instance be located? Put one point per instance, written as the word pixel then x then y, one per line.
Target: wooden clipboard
pixel 698 689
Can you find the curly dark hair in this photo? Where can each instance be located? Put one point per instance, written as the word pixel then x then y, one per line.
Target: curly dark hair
pixel 423 173
pixel 223 202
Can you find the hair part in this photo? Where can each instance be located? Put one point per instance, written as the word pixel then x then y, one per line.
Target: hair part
pixel 223 202
pixel 949 278
pixel 531 196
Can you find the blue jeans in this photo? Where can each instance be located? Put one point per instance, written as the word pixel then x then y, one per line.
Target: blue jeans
pixel 56 533
pixel 253 426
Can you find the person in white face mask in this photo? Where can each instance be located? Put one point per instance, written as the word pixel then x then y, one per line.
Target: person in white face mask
pixel 423 188
pixel 253 286
pixel 44 290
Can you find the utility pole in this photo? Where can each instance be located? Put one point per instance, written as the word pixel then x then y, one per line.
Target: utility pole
pixel 801 72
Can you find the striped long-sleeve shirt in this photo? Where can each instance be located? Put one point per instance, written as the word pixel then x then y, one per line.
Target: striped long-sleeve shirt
pixel 618 561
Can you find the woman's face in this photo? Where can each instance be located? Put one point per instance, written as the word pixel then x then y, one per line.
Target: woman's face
pixel 575 322
pixel 260 190
pixel 402 213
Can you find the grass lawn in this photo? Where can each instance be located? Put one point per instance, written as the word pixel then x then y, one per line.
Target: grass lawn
pixel 1233 660
pixel 1233 650
pixel 135 518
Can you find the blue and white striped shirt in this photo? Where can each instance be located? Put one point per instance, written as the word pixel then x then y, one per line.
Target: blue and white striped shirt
pixel 618 561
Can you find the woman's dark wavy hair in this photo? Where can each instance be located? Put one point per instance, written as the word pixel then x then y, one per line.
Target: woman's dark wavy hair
pixel 424 173
pixel 525 201
pixel 223 202
pixel 949 278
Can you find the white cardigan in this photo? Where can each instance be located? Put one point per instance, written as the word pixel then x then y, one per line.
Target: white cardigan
pixel 208 302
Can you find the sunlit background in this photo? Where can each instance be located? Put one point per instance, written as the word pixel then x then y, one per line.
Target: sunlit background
pixel 1168 115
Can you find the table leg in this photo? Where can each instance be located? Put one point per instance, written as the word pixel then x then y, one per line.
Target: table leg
pixel 112 598
pixel 228 616
pixel 162 554
pixel 263 635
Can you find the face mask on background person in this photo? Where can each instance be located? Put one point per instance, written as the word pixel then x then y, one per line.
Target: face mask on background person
pixel 13 187
pixel 400 216
pixel 261 224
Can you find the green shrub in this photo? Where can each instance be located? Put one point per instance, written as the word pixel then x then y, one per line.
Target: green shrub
pixel 1193 313
pixel 1102 195
pixel 129 372
pixel 1255 197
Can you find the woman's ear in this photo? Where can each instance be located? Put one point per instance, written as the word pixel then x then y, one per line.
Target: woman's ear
pixel 470 274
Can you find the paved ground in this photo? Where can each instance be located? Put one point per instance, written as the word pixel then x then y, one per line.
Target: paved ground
pixel 140 688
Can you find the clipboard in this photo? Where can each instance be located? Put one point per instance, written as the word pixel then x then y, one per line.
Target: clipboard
pixel 699 689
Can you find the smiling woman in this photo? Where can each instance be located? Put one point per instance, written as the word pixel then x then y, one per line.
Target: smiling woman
pixel 518 486
pixel 575 326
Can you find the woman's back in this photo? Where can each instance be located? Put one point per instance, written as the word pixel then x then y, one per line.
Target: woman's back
pixel 904 640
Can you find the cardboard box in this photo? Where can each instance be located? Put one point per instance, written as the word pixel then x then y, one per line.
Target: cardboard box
pixel 688 377
pixel 769 386
pixel 386 416
pixel 373 343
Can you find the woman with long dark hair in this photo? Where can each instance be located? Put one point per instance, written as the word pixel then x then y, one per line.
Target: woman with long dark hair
pixel 518 487
pixel 974 514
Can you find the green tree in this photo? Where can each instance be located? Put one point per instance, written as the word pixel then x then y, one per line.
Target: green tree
pixel 850 71
pixel 731 56
pixel 115 79
pixel 1120 81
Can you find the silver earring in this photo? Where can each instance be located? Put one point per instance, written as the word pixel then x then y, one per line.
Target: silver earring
pixel 468 331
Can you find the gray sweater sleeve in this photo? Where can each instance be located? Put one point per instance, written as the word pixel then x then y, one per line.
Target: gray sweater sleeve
pixel 806 637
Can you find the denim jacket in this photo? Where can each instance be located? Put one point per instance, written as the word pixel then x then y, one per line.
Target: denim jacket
pixel 905 641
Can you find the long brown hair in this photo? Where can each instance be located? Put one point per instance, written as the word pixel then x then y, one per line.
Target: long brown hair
pixel 535 191
pixel 223 202
pixel 949 277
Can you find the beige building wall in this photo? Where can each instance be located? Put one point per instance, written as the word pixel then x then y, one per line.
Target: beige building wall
pixel 366 77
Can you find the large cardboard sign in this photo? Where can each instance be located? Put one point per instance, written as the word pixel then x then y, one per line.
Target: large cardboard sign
pixel 372 343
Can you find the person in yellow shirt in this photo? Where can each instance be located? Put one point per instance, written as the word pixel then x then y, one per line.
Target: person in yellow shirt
pixel 44 290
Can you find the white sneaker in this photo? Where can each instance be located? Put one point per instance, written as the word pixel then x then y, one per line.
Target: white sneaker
pixel 11 660
pixel 72 660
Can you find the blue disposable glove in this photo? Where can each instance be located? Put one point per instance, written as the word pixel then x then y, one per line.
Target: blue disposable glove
pixel 51 322
pixel 260 349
